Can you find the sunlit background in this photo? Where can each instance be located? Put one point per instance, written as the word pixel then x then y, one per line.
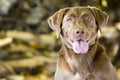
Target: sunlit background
pixel 28 47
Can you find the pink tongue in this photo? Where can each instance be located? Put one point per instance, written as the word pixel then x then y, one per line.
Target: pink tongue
pixel 80 46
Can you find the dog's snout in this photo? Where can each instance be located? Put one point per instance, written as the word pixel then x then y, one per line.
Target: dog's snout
pixel 79 32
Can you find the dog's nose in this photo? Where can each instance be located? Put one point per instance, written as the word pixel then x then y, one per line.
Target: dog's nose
pixel 80 32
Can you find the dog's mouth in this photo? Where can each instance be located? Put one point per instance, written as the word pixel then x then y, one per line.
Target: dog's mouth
pixel 80 46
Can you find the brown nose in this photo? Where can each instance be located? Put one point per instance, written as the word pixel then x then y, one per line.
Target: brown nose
pixel 79 32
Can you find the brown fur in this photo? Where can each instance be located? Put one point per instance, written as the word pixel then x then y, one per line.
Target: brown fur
pixel 94 65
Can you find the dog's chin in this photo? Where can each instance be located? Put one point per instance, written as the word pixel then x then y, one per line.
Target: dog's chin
pixel 80 46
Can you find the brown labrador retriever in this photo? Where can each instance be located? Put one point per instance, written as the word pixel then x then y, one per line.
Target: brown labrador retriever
pixel 81 56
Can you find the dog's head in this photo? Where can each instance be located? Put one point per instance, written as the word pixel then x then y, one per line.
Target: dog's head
pixel 78 26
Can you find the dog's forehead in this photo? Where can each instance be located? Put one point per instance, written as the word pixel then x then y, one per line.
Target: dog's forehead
pixel 78 11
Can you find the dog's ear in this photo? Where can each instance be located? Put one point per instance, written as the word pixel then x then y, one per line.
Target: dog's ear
pixel 55 21
pixel 100 16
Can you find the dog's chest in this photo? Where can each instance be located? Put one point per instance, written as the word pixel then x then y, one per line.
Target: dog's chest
pixel 79 69
pixel 77 76
pixel 78 65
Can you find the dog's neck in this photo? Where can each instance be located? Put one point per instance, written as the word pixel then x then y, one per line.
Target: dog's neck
pixel 78 62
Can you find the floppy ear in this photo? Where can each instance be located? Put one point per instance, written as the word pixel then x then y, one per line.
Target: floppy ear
pixel 55 21
pixel 100 16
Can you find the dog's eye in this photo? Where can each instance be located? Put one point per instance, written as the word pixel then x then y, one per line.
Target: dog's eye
pixel 69 19
pixel 87 18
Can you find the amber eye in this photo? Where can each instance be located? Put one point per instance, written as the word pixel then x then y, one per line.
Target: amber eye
pixel 87 18
pixel 69 19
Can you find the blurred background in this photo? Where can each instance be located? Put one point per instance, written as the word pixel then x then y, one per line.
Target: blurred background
pixel 28 47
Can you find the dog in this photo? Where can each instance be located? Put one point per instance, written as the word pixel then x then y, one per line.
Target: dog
pixel 81 57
